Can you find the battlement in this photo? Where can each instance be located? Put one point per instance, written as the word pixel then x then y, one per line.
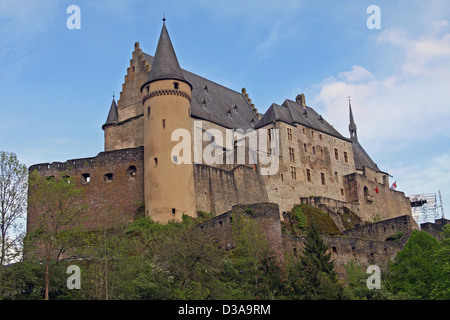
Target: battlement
pixel 102 157
pixel 386 230
pixel 435 228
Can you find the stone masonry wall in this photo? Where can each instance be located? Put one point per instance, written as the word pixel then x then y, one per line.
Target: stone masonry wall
pixel 114 189
pixel 220 228
pixel 217 190
pixel 384 204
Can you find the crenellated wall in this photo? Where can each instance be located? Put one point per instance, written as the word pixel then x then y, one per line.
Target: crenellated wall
pixel 113 183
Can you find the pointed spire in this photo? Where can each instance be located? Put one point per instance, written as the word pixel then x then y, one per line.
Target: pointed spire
pixel 113 115
pixel 165 64
pixel 352 125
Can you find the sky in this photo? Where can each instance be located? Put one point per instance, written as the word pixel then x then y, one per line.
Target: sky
pixel 56 83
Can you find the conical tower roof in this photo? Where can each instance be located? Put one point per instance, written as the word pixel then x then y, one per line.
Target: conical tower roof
pixel 113 116
pixel 165 63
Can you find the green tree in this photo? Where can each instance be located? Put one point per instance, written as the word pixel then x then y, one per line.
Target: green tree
pixel 415 269
pixel 441 287
pixel 313 275
pixel 55 210
pixel 13 195
pixel 356 288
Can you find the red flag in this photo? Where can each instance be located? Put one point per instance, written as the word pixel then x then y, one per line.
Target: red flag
pixel 394 185
pixel 376 189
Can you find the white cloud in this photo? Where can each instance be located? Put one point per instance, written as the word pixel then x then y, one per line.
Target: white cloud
pixel 411 103
pixel 404 116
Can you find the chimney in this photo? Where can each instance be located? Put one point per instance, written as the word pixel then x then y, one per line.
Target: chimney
pixel 300 99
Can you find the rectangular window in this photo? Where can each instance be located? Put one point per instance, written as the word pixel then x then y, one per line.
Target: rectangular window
pixel 291 154
pixel 336 176
pixel 164 123
pixel 305 147
pixel 293 173
pixel 289 134
pixel 282 177
pixel 156 161
pixel 308 175
pixel 336 154
pixel 342 192
pixel 345 157
pixel 322 177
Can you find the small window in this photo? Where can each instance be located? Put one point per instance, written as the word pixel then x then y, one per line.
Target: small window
pixel 148 111
pixel 345 157
pixel 336 176
pixel 342 192
pixel 320 136
pixel 305 147
pixel 85 178
pixel 321 152
pixel 205 89
pixel 322 177
pixel 289 134
pixel 108 177
pixel 366 191
pixel 314 150
pixel 173 210
pixel 282 177
pixel 312 133
pixel 304 130
pixel 308 175
pixel 293 173
pixel 164 123
pixel 148 89
pixel 156 161
pixel 235 108
pixel 131 171
pixel 336 154
pixel 291 154
pixel 176 85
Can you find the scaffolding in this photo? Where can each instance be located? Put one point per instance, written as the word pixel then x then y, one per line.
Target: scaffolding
pixel 426 208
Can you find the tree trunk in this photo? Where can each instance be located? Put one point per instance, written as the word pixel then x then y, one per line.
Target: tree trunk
pixel 47 276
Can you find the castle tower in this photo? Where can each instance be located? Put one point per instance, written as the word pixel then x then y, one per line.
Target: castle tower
pixel 168 186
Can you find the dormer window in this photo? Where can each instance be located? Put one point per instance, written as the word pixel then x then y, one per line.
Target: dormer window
pixel 235 108
pixel 204 103
pixel 205 89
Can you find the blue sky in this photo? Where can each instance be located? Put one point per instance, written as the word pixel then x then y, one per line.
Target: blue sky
pixel 56 84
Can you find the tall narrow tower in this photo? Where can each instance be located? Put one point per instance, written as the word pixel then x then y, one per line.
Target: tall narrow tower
pixel 168 185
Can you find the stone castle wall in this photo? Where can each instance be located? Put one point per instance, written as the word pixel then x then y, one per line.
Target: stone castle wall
pixel 113 183
pixel 317 171
pixel 218 190
pixel 373 205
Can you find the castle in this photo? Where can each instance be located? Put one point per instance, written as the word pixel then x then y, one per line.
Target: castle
pixel 143 169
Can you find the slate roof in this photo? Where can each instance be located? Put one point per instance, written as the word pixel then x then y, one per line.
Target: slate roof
pixel 362 159
pixel 293 113
pixel 113 116
pixel 215 103
pixel 165 64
